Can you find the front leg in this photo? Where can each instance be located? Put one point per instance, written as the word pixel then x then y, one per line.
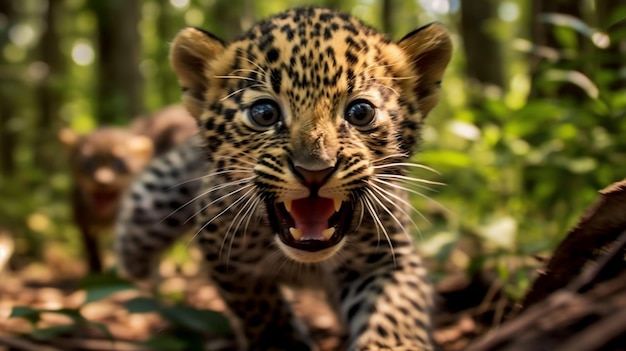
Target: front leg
pixel 91 247
pixel 264 320
pixel 387 305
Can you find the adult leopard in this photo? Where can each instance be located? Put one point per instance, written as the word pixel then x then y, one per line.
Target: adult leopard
pixel 308 121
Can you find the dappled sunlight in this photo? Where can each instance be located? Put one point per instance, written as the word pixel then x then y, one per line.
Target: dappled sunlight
pixel 529 126
pixel 82 53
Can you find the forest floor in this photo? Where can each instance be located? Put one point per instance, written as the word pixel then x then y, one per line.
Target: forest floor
pixel 39 287
pixel 576 303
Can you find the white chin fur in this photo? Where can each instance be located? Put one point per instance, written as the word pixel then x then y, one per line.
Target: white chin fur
pixel 308 256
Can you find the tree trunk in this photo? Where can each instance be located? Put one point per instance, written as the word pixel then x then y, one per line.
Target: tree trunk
pixel 166 77
pixel 120 84
pixel 8 80
pixel 613 57
pixel 388 17
pixel 482 51
pixel 49 92
pixel 544 38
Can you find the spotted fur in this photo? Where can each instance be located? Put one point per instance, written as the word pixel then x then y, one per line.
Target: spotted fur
pixel 307 122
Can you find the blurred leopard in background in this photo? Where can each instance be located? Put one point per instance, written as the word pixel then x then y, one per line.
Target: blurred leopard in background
pixel 104 162
pixel 308 122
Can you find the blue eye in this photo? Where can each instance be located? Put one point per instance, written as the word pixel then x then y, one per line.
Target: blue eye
pixel 360 113
pixel 264 113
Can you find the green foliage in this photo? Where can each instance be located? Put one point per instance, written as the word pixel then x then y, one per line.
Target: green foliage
pixel 189 326
pixel 519 175
pixel 100 286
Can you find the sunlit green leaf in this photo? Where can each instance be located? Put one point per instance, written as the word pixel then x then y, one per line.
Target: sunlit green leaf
pixel 99 293
pixel 445 157
pixel 30 314
pixel 99 286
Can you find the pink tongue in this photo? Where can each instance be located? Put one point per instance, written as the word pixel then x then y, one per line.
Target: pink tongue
pixel 311 216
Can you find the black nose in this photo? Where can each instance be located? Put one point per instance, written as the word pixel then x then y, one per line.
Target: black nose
pixel 313 179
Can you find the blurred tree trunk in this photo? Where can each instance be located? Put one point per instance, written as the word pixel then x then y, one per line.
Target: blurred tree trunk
pixel 248 14
pixel 8 80
pixel 482 50
pixel 229 18
pixel 388 17
pixel 50 91
pixel 614 57
pixel 542 32
pixel 120 84
pixel 547 44
pixel 166 76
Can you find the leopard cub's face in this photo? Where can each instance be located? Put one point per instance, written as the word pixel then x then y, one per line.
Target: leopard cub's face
pixel 103 164
pixel 305 115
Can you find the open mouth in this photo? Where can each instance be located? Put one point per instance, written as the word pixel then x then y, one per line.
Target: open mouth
pixel 104 201
pixel 312 223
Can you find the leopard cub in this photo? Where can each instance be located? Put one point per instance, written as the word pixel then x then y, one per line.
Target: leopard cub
pixel 104 162
pixel 307 125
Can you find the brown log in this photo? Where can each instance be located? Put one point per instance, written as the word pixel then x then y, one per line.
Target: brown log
pixel 579 303
pixel 566 321
pixel 601 225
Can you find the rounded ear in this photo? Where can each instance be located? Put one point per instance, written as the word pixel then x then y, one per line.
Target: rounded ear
pixel 429 49
pixel 190 53
pixel 68 137
pixel 141 146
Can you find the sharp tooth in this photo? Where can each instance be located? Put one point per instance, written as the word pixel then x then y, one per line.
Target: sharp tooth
pixel 337 204
pixel 295 233
pixel 288 205
pixel 328 233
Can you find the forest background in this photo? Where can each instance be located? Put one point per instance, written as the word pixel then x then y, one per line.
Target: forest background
pixel 531 124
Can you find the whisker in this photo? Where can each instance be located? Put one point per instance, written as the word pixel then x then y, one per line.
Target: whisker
pixel 393 183
pixel 409 185
pixel 264 72
pixel 208 191
pixel 392 78
pixel 405 182
pixel 237 77
pixel 358 225
pixel 245 208
pixel 218 199
pixel 377 220
pixel 383 66
pixel 249 206
pixel 386 87
pixel 407 178
pixel 249 71
pixel 221 212
pixel 240 90
pixel 407 164
pixel 386 209
pixel 385 194
pixel 402 155
pixel 366 202
pixel 242 170
pixel 413 191
pixel 253 210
